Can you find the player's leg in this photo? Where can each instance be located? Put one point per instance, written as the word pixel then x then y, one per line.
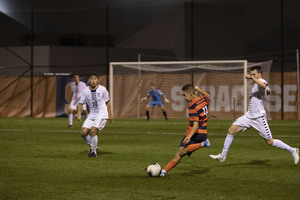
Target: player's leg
pixel 94 142
pixel 148 108
pixel 239 125
pixel 175 161
pixel 85 130
pixel 70 117
pixel 99 124
pixel 85 135
pixel 162 107
pixel 262 127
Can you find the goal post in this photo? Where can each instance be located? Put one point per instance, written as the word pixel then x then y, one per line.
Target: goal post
pixel 224 80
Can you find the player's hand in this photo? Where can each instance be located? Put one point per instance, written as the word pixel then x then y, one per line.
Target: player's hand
pixel 79 117
pixel 111 118
pixel 248 76
pixel 167 100
pixel 143 99
pixel 186 140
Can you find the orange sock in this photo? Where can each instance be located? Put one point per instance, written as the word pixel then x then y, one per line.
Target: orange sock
pixel 170 165
pixel 194 147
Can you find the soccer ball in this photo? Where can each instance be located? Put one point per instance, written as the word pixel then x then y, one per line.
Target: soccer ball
pixel 154 169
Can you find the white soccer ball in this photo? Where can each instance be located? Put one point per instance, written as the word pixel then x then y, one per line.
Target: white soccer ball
pixel 154 169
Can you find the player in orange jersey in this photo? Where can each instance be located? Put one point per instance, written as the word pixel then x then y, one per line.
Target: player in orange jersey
pixel 196 134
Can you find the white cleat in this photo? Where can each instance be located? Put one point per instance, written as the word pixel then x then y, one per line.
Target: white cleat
pixel 296 155
pixel 163 173
pixel 218 157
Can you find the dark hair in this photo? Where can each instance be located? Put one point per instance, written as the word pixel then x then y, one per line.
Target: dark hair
pixel 257 68
pixel 188 88
pixel 93 74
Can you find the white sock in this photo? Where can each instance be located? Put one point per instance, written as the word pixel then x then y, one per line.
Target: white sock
pixel 94 143
pixel 227 144
pixel 279 144
pixel 71 119
pixel 88 140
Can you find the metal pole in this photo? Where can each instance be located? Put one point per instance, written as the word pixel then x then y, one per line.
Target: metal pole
pixel 298 83
pixel 192 38
pixel 139 88
pixel 107 45
pixel 282 63
pixel 31 65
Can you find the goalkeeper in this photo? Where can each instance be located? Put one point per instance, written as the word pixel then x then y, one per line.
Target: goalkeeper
pixel 156 100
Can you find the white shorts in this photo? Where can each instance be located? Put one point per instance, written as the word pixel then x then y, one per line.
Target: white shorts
pixel 73 105
pixel 260 124
pixel 99 123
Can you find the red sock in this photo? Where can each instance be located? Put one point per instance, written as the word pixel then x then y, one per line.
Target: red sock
pixel 194 147
pixel 170 165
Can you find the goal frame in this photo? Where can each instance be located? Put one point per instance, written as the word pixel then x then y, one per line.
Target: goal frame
pixel 138 63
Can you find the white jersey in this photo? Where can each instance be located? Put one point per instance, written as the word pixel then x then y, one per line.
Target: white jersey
pixel 77 90
pixel 256 107
pixel 96 99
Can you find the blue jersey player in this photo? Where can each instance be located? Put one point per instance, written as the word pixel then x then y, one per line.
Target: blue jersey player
pixel 156 96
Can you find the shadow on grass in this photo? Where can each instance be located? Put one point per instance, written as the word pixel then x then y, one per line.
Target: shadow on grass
pixel 253 162
pixel 99 153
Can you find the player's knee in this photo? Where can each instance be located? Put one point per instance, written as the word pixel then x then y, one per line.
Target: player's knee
pixel 93 132
pixel 230 131
pixel 270 142
pixel 83 133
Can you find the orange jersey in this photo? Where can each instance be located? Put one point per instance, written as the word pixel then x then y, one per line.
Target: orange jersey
pixel 198 112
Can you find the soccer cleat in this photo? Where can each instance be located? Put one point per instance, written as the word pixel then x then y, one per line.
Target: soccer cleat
pixel 70 126
pixel 218 157
pixel 92 155
pixel 163 173
pixel 296 155
pixel 206 143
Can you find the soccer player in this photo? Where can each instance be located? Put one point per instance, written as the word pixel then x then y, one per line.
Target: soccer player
pixel 196 134
pixel 97 98
pixel 156 100
pixel 77 87
pixel 255 118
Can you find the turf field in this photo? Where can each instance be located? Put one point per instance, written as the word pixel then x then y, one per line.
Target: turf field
pixel 43 159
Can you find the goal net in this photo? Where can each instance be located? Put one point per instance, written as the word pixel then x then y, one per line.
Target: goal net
pixel 223 80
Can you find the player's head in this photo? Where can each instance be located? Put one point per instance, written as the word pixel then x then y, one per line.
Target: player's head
pixel 93 80
pixel 152 86
pixel 76 77
pixel 188 92
pixel 256 72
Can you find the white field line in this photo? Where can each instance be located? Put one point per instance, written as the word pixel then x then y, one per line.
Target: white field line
pixel 154 133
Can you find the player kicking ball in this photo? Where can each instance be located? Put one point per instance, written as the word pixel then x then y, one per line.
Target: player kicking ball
pixel 195 137
pixel 255 118
pixel 97 98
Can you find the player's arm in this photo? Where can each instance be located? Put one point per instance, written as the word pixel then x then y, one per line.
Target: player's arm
pixel 190 135
pixel 110 115
pixel 201 91
pixel 79 110
pixel 260 84
pixel 164 96
pixel 146 97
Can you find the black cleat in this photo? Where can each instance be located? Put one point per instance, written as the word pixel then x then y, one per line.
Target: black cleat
pixel 92 155
pixel 70 126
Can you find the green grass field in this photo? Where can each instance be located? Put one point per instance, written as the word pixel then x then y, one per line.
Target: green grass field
pixel 42 159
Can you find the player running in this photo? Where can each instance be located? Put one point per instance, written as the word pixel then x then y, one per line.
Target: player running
pixel 196 133
pixel 255 118
pixel 97 98
pixel 77 87
pixel 156 100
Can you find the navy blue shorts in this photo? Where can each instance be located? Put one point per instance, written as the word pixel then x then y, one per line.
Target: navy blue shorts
pixel 196 138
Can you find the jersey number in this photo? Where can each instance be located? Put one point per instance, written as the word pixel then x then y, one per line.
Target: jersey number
pixel 205 110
